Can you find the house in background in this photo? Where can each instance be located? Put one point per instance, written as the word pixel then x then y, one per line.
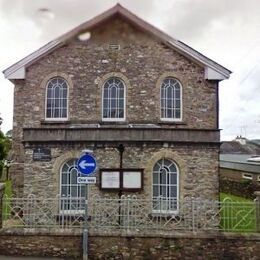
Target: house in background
pixel 240 167
pixel 120 87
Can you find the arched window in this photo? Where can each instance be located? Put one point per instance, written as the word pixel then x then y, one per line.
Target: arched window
pixel 72 193
pixel 113 100
pixel 165 186
pixel 171 107
pixel 57 99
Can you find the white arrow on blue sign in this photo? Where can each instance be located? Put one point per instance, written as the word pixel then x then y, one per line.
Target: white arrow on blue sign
pixel 87 164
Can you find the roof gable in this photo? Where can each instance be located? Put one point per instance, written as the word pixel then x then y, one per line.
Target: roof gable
pixel 213 70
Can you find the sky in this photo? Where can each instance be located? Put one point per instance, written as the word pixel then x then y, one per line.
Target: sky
pixel 227 31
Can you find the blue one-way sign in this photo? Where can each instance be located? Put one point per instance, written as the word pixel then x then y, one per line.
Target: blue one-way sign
pixel 87 164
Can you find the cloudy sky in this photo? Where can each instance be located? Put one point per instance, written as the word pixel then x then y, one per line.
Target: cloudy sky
pixel 227 31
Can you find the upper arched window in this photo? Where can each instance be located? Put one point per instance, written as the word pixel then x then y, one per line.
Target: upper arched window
pixel 57 99
pixel 165 186
pixel 113 100
pixel 171 100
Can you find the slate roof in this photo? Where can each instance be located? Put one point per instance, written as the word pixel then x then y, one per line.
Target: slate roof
pixel 239 162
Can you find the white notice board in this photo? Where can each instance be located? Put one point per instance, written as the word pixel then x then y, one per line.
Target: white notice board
pixel 110 180
pixel 132 179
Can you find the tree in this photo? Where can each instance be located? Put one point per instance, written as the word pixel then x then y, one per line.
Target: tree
pixel 5 146
pixel 2 151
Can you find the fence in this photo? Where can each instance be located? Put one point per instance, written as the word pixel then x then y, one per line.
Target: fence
pixel 130 214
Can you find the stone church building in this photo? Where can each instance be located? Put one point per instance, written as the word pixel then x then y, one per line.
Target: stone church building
pixel 139 99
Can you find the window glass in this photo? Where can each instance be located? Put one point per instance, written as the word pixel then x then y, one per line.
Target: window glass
pixel 114 100
pixel 165 186
pixel 170 99
pixel 57 98
pixel 70 188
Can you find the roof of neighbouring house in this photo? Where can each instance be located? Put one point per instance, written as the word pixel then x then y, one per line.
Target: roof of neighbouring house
pixel 213 70
pixel 239 162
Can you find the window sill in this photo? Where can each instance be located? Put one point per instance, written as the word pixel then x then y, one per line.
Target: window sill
pixel 166 216
pixel 55 122
pixel 72 217
pixel 113 123
pixel 171 123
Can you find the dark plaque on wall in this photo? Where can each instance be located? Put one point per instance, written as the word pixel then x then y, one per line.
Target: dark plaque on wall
pixel 41 154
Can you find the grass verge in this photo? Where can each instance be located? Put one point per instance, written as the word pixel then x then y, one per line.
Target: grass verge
pixel 237 214
pixel 7 194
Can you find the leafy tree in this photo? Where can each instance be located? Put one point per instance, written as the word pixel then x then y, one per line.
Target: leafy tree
pixel 5 146
pixel 3 152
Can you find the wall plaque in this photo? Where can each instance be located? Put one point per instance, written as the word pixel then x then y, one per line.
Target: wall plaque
pixel 42 154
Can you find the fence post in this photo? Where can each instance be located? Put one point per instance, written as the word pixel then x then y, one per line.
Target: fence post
pixel 2 189
pixel 257 210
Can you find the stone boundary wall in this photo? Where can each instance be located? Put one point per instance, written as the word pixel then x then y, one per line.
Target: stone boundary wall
pixel 130 246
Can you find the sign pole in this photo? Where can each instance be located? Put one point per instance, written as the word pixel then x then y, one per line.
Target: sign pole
pixel 121 149
pixel 85 228
pixel 86 165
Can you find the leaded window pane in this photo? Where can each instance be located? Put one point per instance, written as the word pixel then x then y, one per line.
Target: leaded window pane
pixel 114 99
pixel 173 192
pixel 57 98
pixel 177 113
pixel 155 191
pixel 121 113
pixel 170 99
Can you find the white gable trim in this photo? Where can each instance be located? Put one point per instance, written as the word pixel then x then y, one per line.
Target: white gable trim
pixel 18 74
pixel 211 74
pixel 12 72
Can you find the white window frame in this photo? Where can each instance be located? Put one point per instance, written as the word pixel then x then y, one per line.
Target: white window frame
pixel 172 119
pixel 161 211
pixel 71 211
pixel 247 176
pixel 114 119
pixel 46 97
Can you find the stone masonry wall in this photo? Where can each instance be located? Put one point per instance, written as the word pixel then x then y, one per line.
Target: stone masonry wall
pixel 198 168
pixel 207 246
pixel 141 61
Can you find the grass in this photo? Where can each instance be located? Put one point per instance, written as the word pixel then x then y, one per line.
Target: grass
pixel 233 198
pixel 237 214
pixel 8 189
pixel 8 193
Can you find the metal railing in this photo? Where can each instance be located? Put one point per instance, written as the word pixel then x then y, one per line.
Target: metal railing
pixel 130 214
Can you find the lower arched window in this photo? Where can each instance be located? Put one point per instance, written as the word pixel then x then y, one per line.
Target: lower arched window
pixel 165 186
pixel 72 193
